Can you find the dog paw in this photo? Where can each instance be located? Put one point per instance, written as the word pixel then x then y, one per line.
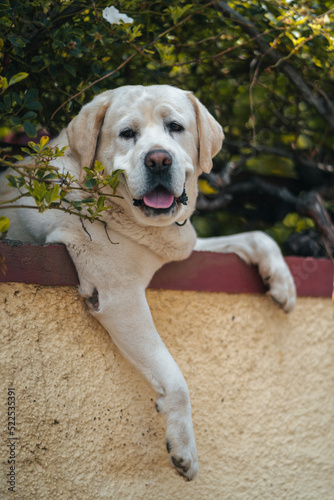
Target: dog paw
pixel 276 275
pixel 183 458
pixel 274 271
pixel 180 440
pixel 282 290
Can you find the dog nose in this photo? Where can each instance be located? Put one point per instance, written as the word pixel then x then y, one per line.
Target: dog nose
pixel 158 160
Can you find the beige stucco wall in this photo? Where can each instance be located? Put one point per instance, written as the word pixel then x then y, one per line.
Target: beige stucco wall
pixel 261 384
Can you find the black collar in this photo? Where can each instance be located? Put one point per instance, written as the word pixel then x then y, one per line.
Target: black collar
pixel 183 223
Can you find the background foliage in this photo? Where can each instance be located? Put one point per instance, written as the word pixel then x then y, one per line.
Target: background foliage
pixel 265 69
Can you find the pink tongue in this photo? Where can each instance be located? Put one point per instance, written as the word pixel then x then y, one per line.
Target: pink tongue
pixel 159 198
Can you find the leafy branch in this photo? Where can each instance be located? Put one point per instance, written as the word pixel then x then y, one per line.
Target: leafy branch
pixel 47 187
pixel 143 51
pixel 290 71
pixel 263 69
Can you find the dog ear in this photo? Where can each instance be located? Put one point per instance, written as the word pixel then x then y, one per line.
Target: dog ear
pixel 210 134
pixel 83 131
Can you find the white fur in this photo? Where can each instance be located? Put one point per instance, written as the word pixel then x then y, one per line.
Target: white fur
pixel 120 271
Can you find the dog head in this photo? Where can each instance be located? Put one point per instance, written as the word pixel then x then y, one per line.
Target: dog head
pixel 160 136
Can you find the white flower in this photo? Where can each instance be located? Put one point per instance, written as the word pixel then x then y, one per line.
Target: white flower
pixel 113 16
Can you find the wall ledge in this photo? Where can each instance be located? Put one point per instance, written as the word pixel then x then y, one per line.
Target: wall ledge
pixel 202 271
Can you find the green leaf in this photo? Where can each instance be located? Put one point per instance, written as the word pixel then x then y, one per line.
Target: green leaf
pixel 30 95
pixel 12 181
pixel 70 69
pixel 30 115
pixel 53 71
pixel 17 78
pixel 34 105
pixel 4 21
pixel 100 202
pixel 49 177
pixel 176 12
pixel 4 224
pixel 4 5
pixel 16 40
pixel 16 97
pixel 35 147
pixel 52 195
pixel 39 191
pixel 3 82
pixel 30 129
pixel 77 205
pixel 134 32
pixel 89 172
pixel 40 173
pixel 90 183
pixel 26 150
pixel 15 120
pixel 98 166
pixel 88 200
pixel 7 101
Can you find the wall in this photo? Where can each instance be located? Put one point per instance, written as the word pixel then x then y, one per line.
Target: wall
pixel 261 385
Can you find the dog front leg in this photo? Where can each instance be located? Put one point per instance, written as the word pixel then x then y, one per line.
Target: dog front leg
pixel 259 249
pixel 127 318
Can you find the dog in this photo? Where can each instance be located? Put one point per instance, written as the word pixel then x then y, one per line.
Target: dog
pixel 162 138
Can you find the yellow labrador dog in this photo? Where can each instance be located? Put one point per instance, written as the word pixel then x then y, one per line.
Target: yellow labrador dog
pixel 162 138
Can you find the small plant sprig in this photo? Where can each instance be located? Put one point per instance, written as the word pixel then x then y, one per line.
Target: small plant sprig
pixel 49 188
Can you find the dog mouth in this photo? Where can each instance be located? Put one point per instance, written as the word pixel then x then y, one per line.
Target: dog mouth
pixel 160 201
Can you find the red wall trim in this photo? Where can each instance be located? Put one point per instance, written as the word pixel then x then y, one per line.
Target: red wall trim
pixel 203 271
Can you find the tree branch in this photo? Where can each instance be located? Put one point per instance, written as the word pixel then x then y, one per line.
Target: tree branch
pixel 320 105
pixel 38 35
pixel 309 204
pixel 297 155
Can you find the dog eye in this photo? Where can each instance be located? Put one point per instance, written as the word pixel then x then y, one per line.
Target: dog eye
pixel 128 133
pixel 175 127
